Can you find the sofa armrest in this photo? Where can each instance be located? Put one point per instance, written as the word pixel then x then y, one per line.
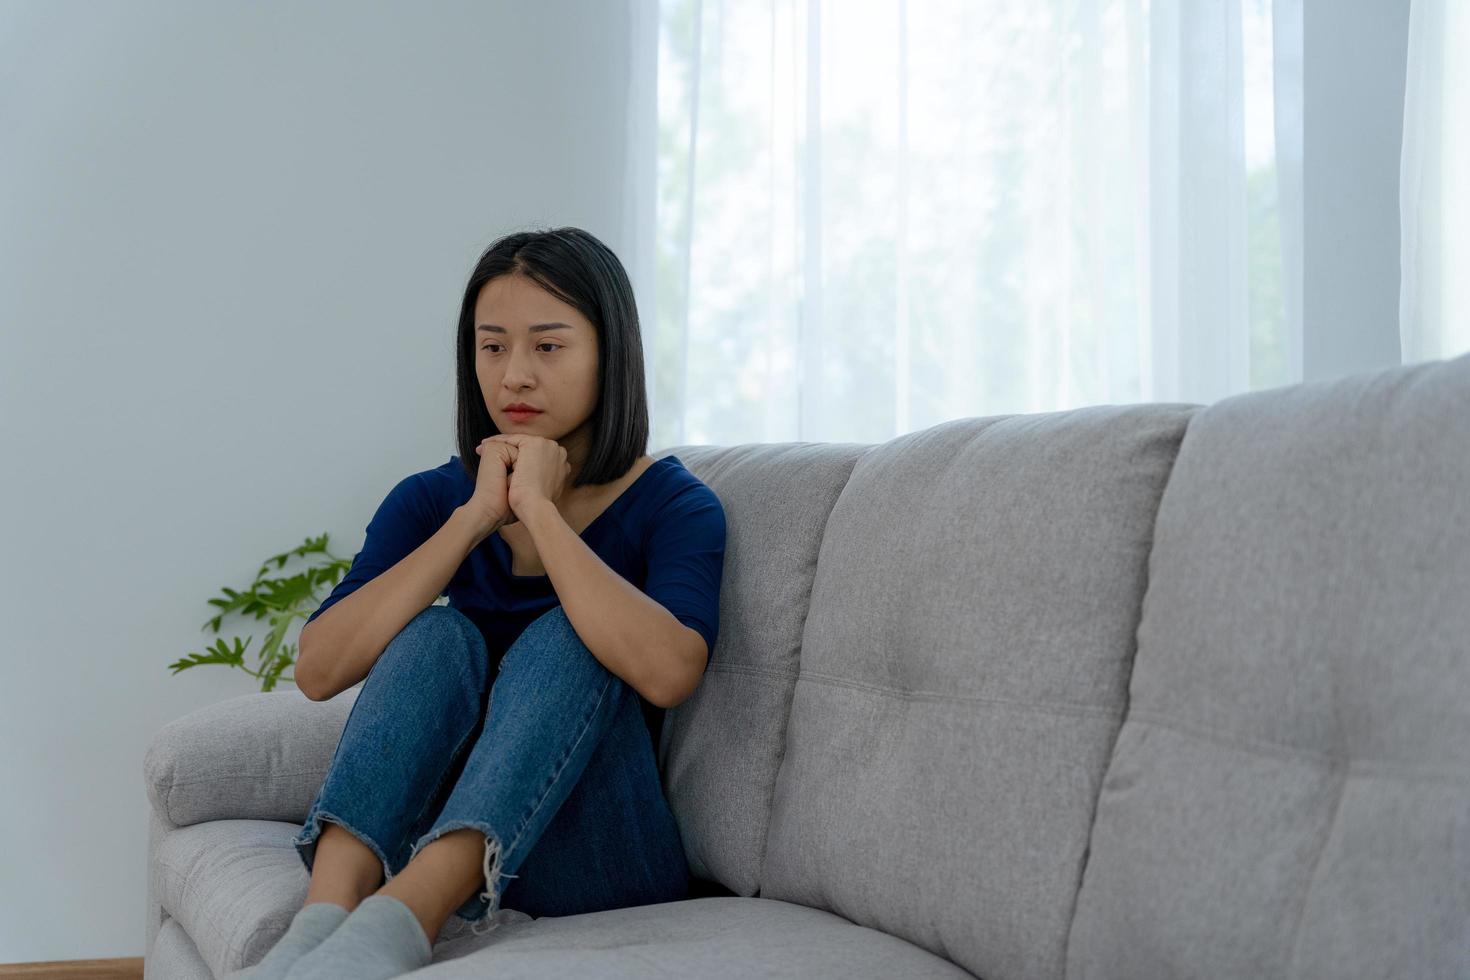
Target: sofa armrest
pixel 259 756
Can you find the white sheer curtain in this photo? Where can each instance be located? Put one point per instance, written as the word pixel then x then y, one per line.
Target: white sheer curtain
pixel 876 216
pixel 1434 196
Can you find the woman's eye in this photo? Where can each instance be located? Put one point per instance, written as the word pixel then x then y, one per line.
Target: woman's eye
pixel 544 343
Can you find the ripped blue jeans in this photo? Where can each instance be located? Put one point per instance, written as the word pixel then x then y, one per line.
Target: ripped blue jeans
pixel 550 759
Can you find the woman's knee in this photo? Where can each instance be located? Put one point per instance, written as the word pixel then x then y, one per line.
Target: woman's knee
pixel 437 633
pixel 550 634
pixel 553 626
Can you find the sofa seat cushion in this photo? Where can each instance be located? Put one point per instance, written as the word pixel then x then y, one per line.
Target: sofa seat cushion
pixel 703 937
pixel 232 887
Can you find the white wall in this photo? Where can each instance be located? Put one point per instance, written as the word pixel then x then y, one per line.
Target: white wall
pixel 233 239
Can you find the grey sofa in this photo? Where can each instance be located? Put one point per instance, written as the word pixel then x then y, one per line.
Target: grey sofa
pixel 1128 691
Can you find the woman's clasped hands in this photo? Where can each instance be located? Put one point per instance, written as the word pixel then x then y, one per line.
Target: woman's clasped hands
pixel 516 471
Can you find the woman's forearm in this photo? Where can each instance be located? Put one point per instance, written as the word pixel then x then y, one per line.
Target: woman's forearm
pixel 629 633
pixel 339 647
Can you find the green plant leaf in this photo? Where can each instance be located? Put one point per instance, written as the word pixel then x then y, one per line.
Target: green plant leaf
pixel 281 600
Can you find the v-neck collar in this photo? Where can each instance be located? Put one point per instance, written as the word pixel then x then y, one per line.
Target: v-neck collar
pixel 502 547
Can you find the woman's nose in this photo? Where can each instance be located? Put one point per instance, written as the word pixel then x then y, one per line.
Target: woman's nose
pixel 517 370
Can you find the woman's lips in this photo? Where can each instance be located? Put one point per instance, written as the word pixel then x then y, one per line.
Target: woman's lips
pixel 516 416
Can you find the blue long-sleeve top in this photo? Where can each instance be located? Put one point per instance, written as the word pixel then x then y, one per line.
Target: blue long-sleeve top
pixel 665 533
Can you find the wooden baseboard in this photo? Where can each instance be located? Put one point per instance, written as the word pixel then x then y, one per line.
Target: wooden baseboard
pixel 128 968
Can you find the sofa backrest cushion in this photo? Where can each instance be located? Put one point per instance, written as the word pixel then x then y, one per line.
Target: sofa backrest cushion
pixel 963 674
pixel 720 748
pixel 1290 791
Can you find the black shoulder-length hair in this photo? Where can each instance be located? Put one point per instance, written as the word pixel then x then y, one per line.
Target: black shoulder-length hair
pixel 581 271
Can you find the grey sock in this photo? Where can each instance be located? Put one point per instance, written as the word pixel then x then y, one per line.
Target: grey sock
pixel 309 928
pixel 382 938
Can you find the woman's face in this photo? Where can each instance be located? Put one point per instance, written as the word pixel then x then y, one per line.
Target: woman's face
pixel 552 369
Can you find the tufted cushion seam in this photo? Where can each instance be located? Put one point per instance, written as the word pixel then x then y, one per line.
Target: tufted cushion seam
pixel 1035 704
pixel 1291 753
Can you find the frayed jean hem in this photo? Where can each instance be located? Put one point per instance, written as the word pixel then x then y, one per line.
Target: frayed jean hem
pixel 306 842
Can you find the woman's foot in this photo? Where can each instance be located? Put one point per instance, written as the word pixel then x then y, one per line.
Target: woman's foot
pixel 382 938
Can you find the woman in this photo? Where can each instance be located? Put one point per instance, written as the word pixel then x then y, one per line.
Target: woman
pixel 583 580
